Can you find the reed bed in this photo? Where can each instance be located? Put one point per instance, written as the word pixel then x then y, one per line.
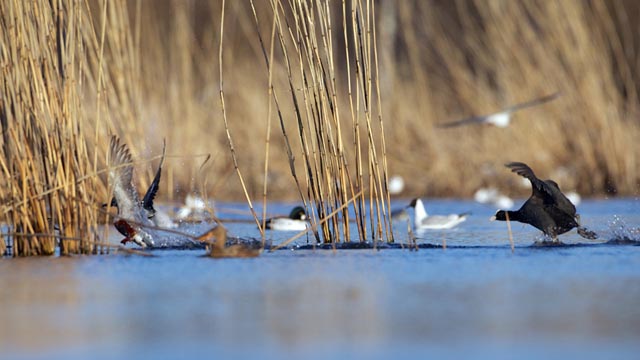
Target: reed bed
pixel 44 157
pixel 437 62
pixel 344 93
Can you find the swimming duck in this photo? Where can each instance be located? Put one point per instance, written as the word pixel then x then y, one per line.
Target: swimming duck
pixel 502 118
pixel 297 221
pixel 131 213
pixel 548 209
pixel 218 248
pixel 423 221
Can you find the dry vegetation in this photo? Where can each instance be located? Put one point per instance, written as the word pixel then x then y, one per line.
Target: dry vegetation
pixel 439 61
pixel 321 81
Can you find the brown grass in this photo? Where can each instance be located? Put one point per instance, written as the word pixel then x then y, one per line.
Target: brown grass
pixel 438 62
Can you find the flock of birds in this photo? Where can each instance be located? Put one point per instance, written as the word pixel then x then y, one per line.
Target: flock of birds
pixel 547 209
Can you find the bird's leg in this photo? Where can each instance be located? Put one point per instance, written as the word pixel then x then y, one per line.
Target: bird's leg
pixel 125 241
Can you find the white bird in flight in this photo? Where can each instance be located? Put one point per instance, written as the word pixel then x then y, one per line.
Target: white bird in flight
pixel 503 118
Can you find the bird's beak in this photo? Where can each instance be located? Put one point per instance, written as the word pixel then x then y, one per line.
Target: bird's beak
pixel 493 218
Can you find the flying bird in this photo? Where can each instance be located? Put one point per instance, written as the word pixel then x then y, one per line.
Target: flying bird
pixel 159 219
pixel 131 213
pixel 502 118
pixel 548 209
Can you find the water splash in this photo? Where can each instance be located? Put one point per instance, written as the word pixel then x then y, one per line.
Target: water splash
pixel 622 233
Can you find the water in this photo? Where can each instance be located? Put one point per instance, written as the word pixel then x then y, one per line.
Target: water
pixel 475 298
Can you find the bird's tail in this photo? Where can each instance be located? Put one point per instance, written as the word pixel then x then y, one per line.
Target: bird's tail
pixel 586 233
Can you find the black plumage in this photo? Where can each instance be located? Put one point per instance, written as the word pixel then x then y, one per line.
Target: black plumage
pixel 548 209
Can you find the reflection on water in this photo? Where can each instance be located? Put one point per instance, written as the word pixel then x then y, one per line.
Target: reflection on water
pixel 578 301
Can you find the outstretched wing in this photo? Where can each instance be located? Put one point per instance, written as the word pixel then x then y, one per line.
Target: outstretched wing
pixel 534 102
pixel 505 112
pixel 147 201
pixel 121 176
pixel 467 121
pixel 539 187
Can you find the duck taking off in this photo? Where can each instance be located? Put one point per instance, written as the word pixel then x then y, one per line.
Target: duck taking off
pixel 502 118
pixel 422 220
pixel 131 213
pixel 548 209
pixel 297 221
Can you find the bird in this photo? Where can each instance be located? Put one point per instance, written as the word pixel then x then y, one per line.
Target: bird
pixel 547 209
pixel 396 184
pixel 503 118
pixel 494 197
pixel 218 248
pixel 400 214
pixel 159 218
pixel 423 221
pixel 296 221
pixel 132 216
pixel 195 209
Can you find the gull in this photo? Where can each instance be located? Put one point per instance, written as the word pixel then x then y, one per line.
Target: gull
pixel 423 221
pixel 503 118
pixel 548 209
pixel 492 196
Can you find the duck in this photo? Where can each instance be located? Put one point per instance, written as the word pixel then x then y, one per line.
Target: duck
pixel 218 248
pixel 131 216
pixel 296 221
pixel 547 209
pixel 423 221
pixel 500 119
pixel 158 218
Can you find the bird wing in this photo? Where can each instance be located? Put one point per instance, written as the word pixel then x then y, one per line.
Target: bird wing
pixel 562 202
pixel 466 121
pixel 508 110
pixel 147 201
pixel 534 102
pixel 121 176
pixel 538 187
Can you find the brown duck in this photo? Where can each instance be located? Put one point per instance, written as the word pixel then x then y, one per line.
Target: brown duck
pixel 218 248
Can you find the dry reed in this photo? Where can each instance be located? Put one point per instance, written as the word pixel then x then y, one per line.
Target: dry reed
pixel 43 152
pixel 73 72
pixel 438 62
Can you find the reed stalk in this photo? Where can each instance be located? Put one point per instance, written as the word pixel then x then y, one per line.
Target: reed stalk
pixel 306 44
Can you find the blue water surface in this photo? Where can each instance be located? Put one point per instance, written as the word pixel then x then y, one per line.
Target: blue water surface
pixel 473 299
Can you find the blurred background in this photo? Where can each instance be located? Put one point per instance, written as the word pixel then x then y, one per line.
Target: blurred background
pixel 154 74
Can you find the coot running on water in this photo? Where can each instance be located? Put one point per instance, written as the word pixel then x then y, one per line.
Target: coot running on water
pixel 547 209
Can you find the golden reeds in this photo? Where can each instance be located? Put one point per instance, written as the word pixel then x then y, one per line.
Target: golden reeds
pixel 437 63
pixel 74 72
pixel 303 31
pixel 43 152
